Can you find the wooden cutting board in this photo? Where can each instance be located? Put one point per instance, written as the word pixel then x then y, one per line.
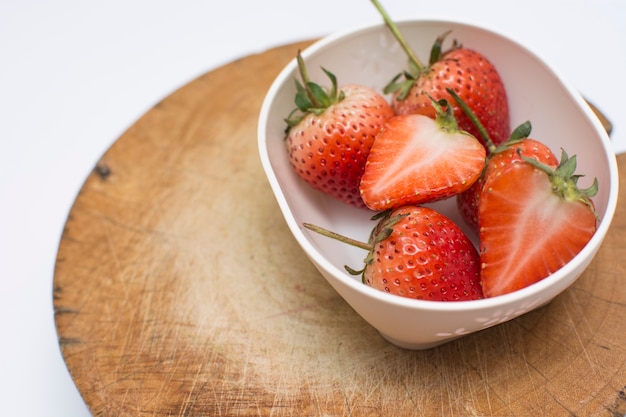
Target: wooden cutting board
pixel 179 291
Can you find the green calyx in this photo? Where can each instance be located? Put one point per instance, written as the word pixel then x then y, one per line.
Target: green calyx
pixel 381 232
pixel 520 133
pixel 564 180
pixel 311 97
pixel 402 83
pixel 445 115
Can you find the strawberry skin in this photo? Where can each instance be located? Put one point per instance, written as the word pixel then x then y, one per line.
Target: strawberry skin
pixel 329 150
pixel 414 160
pixel 468 73
pixel 475 79
pixel 419 253
pixel 468 200
pixel 530 226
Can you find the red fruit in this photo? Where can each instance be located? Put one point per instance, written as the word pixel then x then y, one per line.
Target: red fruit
pixel 474 79
pixel 416 159
pixel 502 157
pixel 419 253
pixel 470 74
pixel 533 219
pixel 416 252
pixel 330 135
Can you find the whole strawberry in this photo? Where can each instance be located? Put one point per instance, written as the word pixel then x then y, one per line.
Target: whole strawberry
pixel 416 160
pixel 470 74
pixel 330 133
pixel 417 252
pixel 533 219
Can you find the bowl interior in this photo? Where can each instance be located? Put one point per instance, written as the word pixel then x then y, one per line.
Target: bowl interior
pixel 371 56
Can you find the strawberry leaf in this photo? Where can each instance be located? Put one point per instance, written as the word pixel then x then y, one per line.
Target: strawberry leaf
pixel 565 182
pixel 567 166
pixel 302 99
pixel 310 97
pixel 318 96
pixel 435 50
pixel 402 87
pixel 333 81
pixel 521 132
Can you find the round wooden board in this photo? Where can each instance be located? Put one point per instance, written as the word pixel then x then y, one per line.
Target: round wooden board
pixel 179 291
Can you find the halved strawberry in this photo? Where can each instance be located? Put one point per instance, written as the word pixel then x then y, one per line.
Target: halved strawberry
pixel 503 156
pixel 533 219
pixel 416 159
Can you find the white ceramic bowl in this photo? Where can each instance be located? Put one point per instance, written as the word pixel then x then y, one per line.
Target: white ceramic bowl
pixel 370 56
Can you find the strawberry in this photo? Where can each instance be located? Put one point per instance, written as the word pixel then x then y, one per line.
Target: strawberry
pixel 417 252
pixel 330 133
pixel 416 160
pixel 519 145
pixel 469 73
pixel 511 152
pixel 533 219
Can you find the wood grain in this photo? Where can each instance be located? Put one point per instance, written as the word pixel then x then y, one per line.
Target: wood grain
pixel 179 291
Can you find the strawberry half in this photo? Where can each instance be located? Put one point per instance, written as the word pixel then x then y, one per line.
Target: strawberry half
pixel 417 252
pixel 533 219
pixel 515 149
pixel 330 133
pixel 511 152
pixel 470 74
pixel 416 160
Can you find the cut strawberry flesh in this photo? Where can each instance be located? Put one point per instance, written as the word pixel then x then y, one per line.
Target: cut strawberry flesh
pixel 414 161
pixel 526 231
pixel 468 201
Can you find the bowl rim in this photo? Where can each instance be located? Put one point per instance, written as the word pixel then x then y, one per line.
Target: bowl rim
pixel 531 292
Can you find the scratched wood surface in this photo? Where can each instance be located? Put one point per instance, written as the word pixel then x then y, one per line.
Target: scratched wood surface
pixel 179 291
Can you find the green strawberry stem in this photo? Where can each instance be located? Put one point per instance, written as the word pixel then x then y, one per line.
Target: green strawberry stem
pixel 307 81
pixel 318 97
pixel 402 84
pixel 344 239
pixel 520 132
pixel 565 182
pixel 472 116
pixel 386 222
pixel 337 236
pixel 399 37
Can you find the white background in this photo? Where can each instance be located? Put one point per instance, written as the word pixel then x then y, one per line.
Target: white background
pixel 74 75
